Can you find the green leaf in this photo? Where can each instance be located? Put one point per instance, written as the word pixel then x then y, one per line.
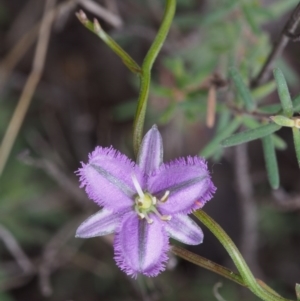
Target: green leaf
pixel 283 93
pixel 270 109
pixel 271 161
pixel 264 90
pixel 296 136
pixel 297 288
pixel 168 114
pixel 223 120
pixel 283 121
pixel 277 108
pixel 296 104
pixel 278 8
pixel 251 135
pixel 279 143
pixel 176 66
pixel 251 123
pixel 214 144
pixel 161 91
pixel 242 89
pixel 219 14
pixel 250 13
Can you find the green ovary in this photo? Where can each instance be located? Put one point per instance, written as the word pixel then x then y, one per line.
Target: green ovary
pixel 145 203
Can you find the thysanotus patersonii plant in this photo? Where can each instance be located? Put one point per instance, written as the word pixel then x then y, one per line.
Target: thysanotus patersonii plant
pixel 222 98
pixel 146 202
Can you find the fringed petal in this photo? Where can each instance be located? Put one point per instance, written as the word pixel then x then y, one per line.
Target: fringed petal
pixel 151 151
pixel 141 247
pixel 101 223
pixel 107 178
pixel 184 229
pixel 188 181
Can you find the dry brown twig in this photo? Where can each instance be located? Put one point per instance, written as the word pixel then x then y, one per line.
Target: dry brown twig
pixel 286 35
pixel 211 106
pixel 112 6
pixel 284 201
pixel 16 281
pixel 43 30
pixel 249 241
pixel 51 259
pixel 95 8
pixel 63 180
pixel 15 250
pixel 30 86
pixel 16 53
pixel 9 62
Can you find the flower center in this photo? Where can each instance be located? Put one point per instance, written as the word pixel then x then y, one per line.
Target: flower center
pixel 146 203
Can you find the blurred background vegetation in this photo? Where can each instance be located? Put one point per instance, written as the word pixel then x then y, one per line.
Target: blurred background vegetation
pixel 84 96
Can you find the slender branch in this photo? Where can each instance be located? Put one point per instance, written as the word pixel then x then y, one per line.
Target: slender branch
pixel 240 111
pixel 95 27
pixel 14 248
pixel 16 53
pixel 50 259
pixel 288 33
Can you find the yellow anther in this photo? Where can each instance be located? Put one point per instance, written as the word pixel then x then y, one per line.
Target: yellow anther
pixel 165 196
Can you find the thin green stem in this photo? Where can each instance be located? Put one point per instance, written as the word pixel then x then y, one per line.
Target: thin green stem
pixel 146 70
pixel 207 264
pixel 95 27
pixel 214 267
pixel 237 258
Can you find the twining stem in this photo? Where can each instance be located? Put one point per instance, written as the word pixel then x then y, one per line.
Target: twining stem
pixel 146 73
pixel 237 258
pixel 214 267
pixel 207 264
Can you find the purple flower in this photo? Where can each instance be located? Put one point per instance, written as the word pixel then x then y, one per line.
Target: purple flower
pixel 144 203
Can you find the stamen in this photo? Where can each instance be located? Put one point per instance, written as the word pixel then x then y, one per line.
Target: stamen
pixel 137 186
pixel 162 217
pixel 148 219
pixel 165 196
pixel 154 200
pixel 141 215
